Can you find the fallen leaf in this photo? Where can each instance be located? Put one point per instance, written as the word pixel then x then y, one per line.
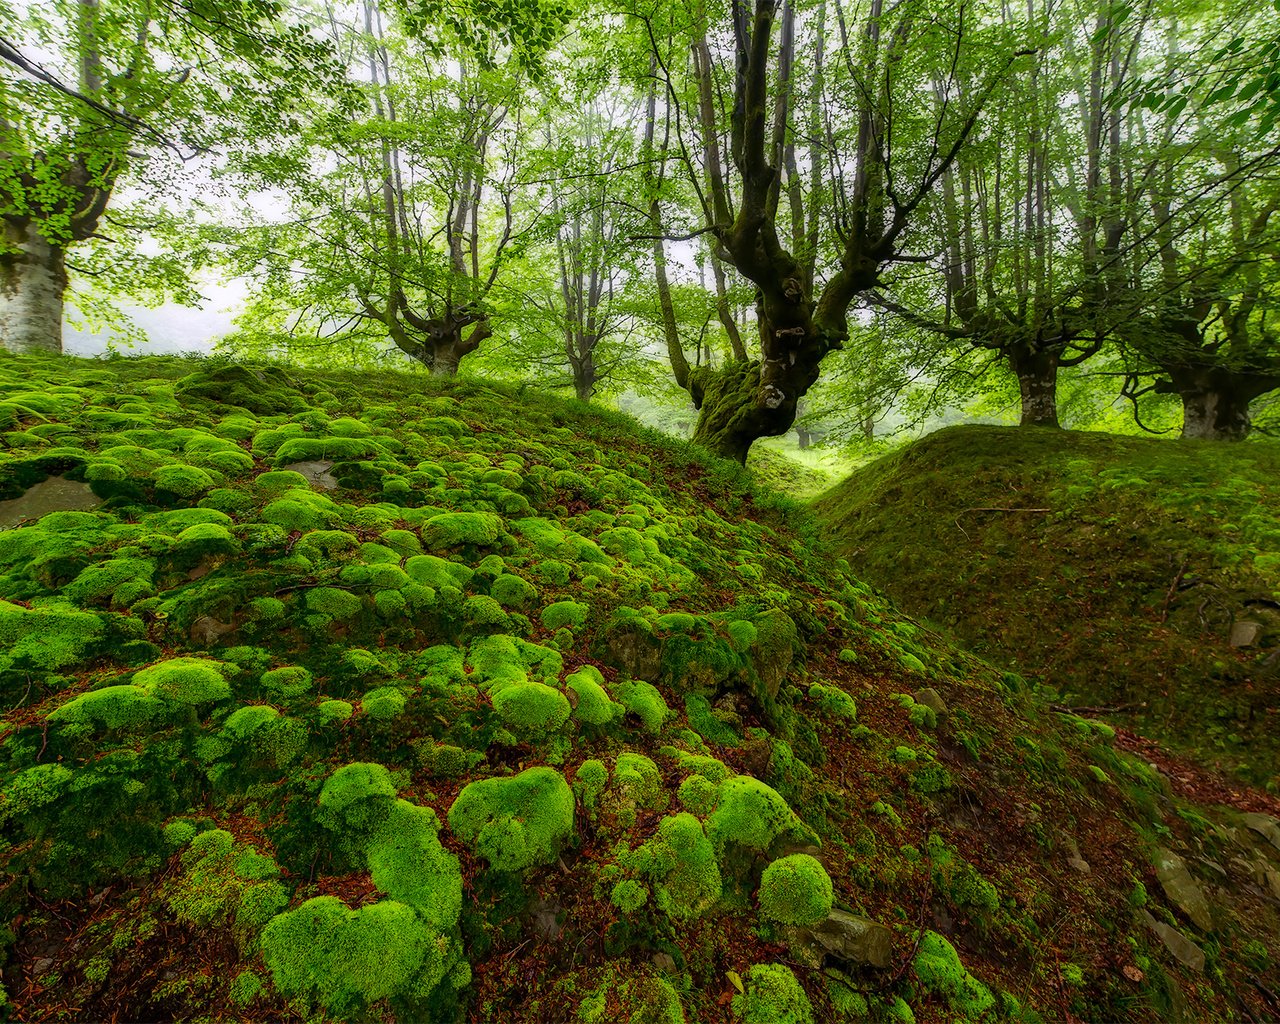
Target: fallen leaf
pixel 736 980
pixel 1131 972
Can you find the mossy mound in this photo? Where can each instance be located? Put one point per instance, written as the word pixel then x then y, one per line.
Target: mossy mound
pixel 1137 576
pixel 508 710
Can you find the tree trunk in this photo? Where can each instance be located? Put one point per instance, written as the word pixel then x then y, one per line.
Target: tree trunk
pixel 1037 373
pixel 1215 402
pixel 33 280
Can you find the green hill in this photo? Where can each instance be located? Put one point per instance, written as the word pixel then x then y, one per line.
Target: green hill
pixel 370 697
pixel 1134 575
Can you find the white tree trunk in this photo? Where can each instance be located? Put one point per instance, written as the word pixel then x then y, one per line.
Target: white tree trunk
pixel 32 282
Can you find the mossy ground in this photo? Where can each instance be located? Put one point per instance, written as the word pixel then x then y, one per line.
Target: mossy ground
pixel 335 781
pixel 1109 568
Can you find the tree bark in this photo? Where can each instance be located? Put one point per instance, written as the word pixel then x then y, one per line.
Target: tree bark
pixel 1215 401
pixel 33 279
pixel 1037 373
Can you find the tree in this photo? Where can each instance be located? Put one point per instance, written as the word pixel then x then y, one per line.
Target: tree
pixel 128 88
pixel 405 209
pixel 873 157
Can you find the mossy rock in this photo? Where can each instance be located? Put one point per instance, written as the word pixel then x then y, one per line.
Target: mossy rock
pixel 515 823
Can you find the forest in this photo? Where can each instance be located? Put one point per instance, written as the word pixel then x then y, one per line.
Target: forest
pixel 738 511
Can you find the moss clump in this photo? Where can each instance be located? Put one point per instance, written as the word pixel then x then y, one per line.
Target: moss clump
pixel 288 683
pixel 356 798
pixel 644 701
pixel 939 969
pixel 107 578
pixel 47 636
pixel 384 704
pixel 409 864
pixel 515 823
pixel 629 896
pixel 482 612
pixel 344 960
pixel 184 481
pixel 563 614
pixel 833 702
pixel 334 710
pixel 772 996
pixel 454 529
pixel 513 591
pixel 638 778
pixel 314 449
pixel 589 782
pixel 185 680
pixel 753 815
pixel 594 706
pixel 531 708
pixel 681 863
pixel 330 603
pixel 796 890
pixel 115 707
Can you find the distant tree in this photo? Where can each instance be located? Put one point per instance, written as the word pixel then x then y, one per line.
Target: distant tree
pixel 95 94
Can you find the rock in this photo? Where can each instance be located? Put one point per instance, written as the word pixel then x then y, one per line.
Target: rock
pixel 775 648
pixel 57 494
pixel 844 936
pixel 544 918
pixel 664 962
pixel 1183 949
pixel 208 630
pixel 1245 633
pixel 1266 826
pixel 1077 862
pixel 1273 882
pixel 316 472
pixel 756 754
pixel 931 698
pixel 1183 890
pixel 633 648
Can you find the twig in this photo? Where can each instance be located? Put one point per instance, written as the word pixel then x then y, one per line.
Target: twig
pixel 1173 589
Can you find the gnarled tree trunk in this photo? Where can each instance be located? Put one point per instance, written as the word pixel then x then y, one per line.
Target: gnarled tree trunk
pixel 1215 401
pixel 33 278
pixel 1037 373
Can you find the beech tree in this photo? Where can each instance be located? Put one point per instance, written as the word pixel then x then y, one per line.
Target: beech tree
pixel 853 166
pixel 120 92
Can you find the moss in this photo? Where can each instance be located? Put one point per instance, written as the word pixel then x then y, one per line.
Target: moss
pixel 751 814
pixel 552 571
pixel 833 702
pixel 343 960
pixel 288 683
pixel 681 863
pixel 531 708
pixel 644 701
pixel 356 798
pixel 184 481
pixel 796 890
pixel 334 710
pixel 47 636
pixel 515 823
pixel 330 603
pixel 408 863
pixel 593 706
pixel 104 579
pixel 939 970
pixel 636 776
pixel 482 612
pixel 698 795
pixel 564 613
pixel 513 591
pixel 589 782
pixel 186 680
pixel 279 481
pixel 454 529
pixel 629 896
pixel 433 571
pixel 772 996
pixel 384 704
pixel 115 707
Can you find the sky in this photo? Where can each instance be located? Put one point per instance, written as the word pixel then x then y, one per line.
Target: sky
pixel 170 328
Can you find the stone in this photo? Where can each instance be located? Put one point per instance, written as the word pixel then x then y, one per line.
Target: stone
pixel 317 473
pixel 208 630
pixel 1077 862
pixel 1183 890
pixel 931 698
pixel 634 649
pixel 544 918
pixel 756 755
pixel 1183 949
pixel 1273 882
pixel 845 937
pixel 664 962
pixel 57 494
pixel 1266 826
pixel 1245 633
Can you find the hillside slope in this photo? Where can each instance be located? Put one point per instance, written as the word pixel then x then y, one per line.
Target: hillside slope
pixel 378 698
pixel 1132 574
